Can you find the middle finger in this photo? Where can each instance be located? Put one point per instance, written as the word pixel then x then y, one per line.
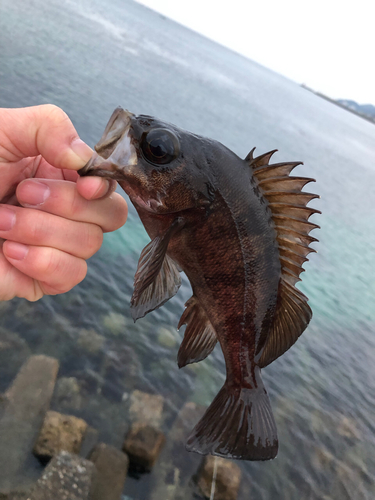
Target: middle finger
pixel 33 227
pixel 61 198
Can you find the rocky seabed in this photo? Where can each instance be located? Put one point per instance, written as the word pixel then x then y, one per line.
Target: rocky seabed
pixel 77 466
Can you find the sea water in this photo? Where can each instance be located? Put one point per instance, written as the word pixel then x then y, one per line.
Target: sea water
pixel 91 56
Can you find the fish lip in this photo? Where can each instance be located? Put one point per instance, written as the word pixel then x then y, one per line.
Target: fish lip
pixel 123 155
pixel 106 174
pixel 87 170
pixel 98 167
pixel 83 171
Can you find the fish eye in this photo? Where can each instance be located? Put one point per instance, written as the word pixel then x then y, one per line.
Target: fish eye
pixel 160 146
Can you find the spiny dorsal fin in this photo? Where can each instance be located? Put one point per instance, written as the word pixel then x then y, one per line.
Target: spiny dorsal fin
pixel 260 160
pixel 287 203
pixel 290 214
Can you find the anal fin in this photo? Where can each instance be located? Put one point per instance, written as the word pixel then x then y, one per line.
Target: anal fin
pixel 200 337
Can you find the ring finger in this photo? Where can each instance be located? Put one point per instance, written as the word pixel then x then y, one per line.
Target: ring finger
pixel 54 271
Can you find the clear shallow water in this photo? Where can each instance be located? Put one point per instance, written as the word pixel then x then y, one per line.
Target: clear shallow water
pixel 90 57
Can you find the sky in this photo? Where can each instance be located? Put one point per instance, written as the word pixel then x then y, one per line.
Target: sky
pixel 326 44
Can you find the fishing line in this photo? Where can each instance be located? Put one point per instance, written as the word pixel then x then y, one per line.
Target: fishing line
pixel 213 484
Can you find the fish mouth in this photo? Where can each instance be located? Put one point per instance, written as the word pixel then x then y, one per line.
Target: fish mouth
pixel 148 204
pixel 115 156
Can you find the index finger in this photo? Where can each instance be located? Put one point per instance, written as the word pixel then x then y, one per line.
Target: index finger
pixel 44 130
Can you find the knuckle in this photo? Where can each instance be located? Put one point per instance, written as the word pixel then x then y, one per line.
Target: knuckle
pixel 118 214
pixel 56 118
pixel 52 263
pixel 94 239
pixel 60 270
pixel 54 113
pixel 81 271
pixel 74 209
pixel 77 273
pixel 36 228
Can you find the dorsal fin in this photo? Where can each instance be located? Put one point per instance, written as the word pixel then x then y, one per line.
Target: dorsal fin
pixel 290 214
pixel 261 160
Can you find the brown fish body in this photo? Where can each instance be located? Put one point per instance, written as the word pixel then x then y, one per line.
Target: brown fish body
pixel 233 266
pixel 219 219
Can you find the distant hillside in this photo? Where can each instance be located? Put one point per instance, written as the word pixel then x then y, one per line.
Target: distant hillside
pixel 367 110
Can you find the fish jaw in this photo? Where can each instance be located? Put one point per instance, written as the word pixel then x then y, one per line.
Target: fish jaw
pixel 115 156
pixel 99 167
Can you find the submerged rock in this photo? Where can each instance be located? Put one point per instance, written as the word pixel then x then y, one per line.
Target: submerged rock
pixel 146 408
pixel 224 481
pixel 347 483
pixel 348 428
pixel 14 351
pixel 67 477
pixel 90 341
pixel 120 369
pixel 111 469
pixel 28 399
pixel 90 440
pixel 67 393
pixel 115 323
pixel 89 382
pixel 171 478
pixel 143 444
pixel 323 459
pixel 3 403
pixel 59 433
pixel 166 337
pixel 14 495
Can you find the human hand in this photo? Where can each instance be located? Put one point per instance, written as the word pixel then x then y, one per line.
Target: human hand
pixel 51 220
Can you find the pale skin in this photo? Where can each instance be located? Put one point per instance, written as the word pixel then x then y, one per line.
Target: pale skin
pixel 51 220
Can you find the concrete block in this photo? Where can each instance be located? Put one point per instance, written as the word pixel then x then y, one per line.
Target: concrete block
pixel 112 467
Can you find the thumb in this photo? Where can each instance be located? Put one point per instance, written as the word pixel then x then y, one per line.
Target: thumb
pixel 41 130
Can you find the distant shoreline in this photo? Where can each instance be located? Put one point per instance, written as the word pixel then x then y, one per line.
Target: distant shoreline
pixel 341 104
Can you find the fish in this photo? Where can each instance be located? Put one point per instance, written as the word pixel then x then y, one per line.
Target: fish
pixel 239 230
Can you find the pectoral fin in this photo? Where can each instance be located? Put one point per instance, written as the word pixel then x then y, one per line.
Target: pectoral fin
pixel 157 278
pixel 200 337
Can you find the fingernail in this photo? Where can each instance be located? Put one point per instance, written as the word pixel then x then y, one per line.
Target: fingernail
pixel 15 250
pixel 82 151
pixel 7 218
pixel 33 193
pixel 103 188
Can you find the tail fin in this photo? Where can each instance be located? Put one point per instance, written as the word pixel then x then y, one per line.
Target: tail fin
pixel 238 424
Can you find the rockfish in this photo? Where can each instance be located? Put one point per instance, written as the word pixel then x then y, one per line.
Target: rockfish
pixel 239 229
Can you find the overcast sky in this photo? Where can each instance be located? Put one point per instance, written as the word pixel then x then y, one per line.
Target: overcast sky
pixel 327 44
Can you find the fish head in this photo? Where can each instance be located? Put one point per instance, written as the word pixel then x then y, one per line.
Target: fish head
pixel 162 168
